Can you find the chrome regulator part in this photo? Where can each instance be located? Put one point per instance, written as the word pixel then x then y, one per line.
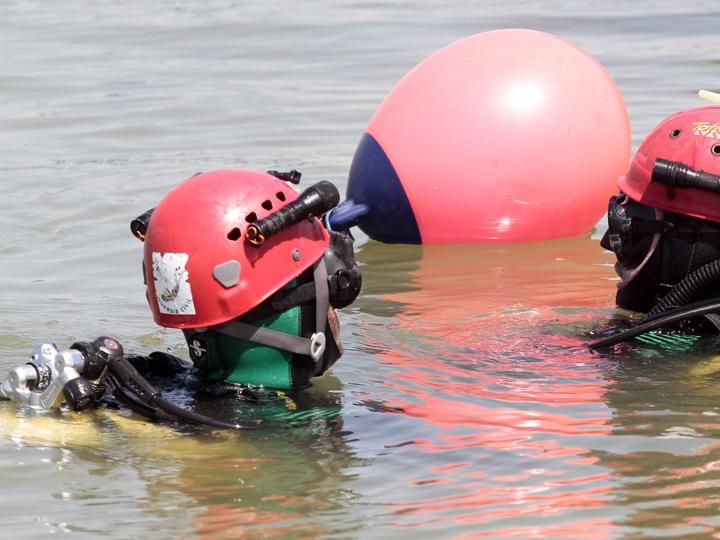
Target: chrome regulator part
pixel 40 382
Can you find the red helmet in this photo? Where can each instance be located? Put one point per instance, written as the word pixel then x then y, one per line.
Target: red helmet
pixel 199 269
pixel 690 137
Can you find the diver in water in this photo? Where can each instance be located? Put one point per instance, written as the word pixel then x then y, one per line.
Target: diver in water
pixel 244 267
pixel 238 261
pixel 664 226
pixel 241 265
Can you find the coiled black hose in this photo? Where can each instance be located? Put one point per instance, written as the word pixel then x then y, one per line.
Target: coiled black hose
pixel 688 288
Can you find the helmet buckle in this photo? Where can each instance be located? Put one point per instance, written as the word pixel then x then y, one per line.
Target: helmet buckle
pixel 317 346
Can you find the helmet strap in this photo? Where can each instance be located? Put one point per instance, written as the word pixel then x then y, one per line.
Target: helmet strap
pixel 314 346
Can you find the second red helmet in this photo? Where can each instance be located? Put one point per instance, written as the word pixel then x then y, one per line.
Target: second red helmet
pixel 692 138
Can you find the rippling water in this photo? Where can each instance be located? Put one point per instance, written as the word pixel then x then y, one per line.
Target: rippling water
pixel 466 405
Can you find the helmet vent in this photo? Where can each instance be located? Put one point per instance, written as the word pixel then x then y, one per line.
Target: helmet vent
pixel 234 234
pixel 267 204
pixel 280 195
pixel 251 217
pixel 675 133
pixel 715 149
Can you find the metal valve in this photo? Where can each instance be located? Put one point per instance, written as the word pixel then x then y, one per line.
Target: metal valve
pixel 54 376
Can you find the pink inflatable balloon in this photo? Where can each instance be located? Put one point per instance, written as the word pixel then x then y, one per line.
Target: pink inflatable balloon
pixel 509 135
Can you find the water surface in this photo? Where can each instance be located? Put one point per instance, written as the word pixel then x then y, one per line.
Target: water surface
pixel 466 406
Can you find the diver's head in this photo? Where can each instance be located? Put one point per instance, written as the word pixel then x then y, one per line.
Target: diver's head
pixel 665 223
pixel 251 314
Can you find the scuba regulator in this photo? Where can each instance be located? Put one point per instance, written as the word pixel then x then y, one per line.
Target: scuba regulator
pixel 79 377
pixel 53 375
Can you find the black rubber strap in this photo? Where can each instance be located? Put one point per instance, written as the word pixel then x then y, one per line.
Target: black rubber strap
pixel 302 294
pixel 650 227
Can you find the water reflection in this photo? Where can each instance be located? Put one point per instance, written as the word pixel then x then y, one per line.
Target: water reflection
pixel 515 421
pixel 263 484
pixel 469 407
pixel 254 484
pixel 504 408
pixel 664 452
pixel 513 426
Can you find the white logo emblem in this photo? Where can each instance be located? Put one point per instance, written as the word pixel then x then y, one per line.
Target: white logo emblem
pixel 197 348
pixel 172 287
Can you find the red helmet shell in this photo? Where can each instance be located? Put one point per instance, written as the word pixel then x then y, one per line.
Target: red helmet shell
pixel 195 241
pixel 691 137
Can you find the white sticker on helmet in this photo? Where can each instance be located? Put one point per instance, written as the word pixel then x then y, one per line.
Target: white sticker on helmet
pixel 172 287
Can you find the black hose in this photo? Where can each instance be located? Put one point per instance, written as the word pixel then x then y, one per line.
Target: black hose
pixel 688 288
pixel 135 404
pixel 649 324
pixel 143 398
pixel 196 418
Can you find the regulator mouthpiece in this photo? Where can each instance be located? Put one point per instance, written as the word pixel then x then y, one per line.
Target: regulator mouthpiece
pixel 677 175
pixel 314 201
